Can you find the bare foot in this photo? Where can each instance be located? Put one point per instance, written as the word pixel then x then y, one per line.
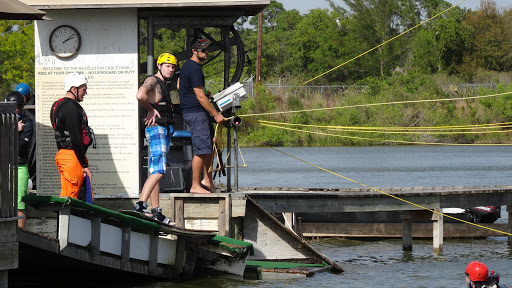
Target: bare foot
pixel 199 190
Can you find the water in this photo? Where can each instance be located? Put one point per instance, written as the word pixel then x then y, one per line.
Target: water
pixel 396 166
pixel 382 263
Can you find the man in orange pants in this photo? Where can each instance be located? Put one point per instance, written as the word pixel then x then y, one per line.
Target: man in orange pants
pixel 72 134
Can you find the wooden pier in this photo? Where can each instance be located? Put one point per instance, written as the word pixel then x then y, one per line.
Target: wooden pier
pixel 293 202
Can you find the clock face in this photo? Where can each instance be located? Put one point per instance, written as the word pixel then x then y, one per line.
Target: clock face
pixel 65 41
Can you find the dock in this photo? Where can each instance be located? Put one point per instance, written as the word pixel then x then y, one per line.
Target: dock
pixel 411 203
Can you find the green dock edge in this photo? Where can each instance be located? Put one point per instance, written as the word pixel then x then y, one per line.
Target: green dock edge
pixel 100 211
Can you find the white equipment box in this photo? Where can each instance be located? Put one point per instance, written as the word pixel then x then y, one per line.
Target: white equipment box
pixel 225 98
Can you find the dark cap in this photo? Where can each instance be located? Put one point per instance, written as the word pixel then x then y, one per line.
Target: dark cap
pixel 200 44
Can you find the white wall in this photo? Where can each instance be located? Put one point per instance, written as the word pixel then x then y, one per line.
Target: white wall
pixel 108 57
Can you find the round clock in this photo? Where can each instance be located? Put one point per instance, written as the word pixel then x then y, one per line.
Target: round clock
pixel 65 41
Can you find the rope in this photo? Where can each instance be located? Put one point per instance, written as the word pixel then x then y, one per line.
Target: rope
pixel 378 104
pixel 380 45
pixel 384 140
pixel 390 195
pixel 402 130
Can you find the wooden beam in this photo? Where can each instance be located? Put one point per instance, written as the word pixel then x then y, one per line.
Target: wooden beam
pixel 437 231
pixel 406 231
pixel 179 213
pixel 125 247
pixel 64 216
pixel 153 252
pixel 394 230
pixel 95 237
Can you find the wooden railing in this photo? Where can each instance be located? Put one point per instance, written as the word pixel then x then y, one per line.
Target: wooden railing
pixel 8 160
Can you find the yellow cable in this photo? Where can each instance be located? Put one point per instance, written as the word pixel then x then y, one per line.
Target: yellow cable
pixel 380 45
pixel 383 140
pixel 390 195
pixel 377 104
pixel 403 129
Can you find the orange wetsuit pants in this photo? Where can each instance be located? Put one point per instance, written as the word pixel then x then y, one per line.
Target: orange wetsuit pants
pixel 71 173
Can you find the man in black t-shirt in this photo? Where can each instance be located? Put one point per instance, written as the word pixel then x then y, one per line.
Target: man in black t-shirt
pixel 196 108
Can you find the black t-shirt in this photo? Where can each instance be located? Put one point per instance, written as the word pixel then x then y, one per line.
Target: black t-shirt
pixel 191 76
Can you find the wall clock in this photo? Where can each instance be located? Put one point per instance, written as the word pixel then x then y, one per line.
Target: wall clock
pixel 65 41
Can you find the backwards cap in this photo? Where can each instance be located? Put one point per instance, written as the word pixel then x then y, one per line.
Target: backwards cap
pixel 200 44
pixel 74 80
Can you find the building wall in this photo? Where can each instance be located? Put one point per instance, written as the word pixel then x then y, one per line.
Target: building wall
pixel 108 57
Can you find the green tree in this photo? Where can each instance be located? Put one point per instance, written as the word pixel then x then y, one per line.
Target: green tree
pixel 16 54
pixel 442 43
pixel 373 22
pixel 493 37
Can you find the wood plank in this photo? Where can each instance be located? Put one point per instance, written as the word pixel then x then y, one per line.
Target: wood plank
pixel 223 222
pixel 394 230
pixel 237 207
pixel 179 213
pixel 201 210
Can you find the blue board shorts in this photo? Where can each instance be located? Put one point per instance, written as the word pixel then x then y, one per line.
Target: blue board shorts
pixel 200 132
pixel 159 141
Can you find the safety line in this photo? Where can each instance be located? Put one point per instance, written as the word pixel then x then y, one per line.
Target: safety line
pixel 380 45
pixel 387 194
pixel 378 104
pixel 383 140
pixel 398 129
pixel 420 132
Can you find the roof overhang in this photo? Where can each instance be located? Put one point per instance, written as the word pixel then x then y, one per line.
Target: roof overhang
pixel 239 7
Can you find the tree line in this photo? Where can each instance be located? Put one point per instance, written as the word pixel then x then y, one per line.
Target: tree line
pixel 303 46
pixel 459 42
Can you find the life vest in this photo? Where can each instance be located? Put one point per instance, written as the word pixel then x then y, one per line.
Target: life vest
pixel 62 136
pixel 164 106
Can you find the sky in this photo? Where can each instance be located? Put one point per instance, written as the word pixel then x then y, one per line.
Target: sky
pixel 304 5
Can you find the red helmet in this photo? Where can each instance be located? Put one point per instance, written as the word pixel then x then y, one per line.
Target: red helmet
pixel 477 271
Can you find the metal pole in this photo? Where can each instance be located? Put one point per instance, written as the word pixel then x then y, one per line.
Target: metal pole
pixel 151 46
pixel 227 56
pixel 228 162
pixel 258 57
pixel 235 153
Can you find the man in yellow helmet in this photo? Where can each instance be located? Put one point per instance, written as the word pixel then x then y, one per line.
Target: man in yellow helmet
pixel 155 98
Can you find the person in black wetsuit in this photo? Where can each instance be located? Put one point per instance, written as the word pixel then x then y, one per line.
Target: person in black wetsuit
pixel 72 134
pixel 478 276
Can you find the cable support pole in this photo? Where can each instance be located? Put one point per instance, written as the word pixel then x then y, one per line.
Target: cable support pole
pixel 259 47
pixel 228 160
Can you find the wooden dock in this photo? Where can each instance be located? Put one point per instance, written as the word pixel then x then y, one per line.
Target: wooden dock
pixel 410 202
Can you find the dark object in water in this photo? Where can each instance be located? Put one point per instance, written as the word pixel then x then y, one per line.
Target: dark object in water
pixel 483 214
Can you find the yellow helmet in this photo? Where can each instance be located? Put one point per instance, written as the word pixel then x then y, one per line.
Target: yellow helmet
pixel 167 58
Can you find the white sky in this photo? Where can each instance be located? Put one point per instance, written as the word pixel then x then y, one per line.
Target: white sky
pixel 304 5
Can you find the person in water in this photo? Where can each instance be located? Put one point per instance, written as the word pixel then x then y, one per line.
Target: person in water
pixel 478 276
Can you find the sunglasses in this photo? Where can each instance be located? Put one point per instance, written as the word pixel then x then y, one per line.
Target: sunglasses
pixel 202 50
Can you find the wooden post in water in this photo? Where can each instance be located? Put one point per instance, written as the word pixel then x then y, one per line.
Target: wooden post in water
pixel 406 231
pixel 509 226
pixel 437 233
